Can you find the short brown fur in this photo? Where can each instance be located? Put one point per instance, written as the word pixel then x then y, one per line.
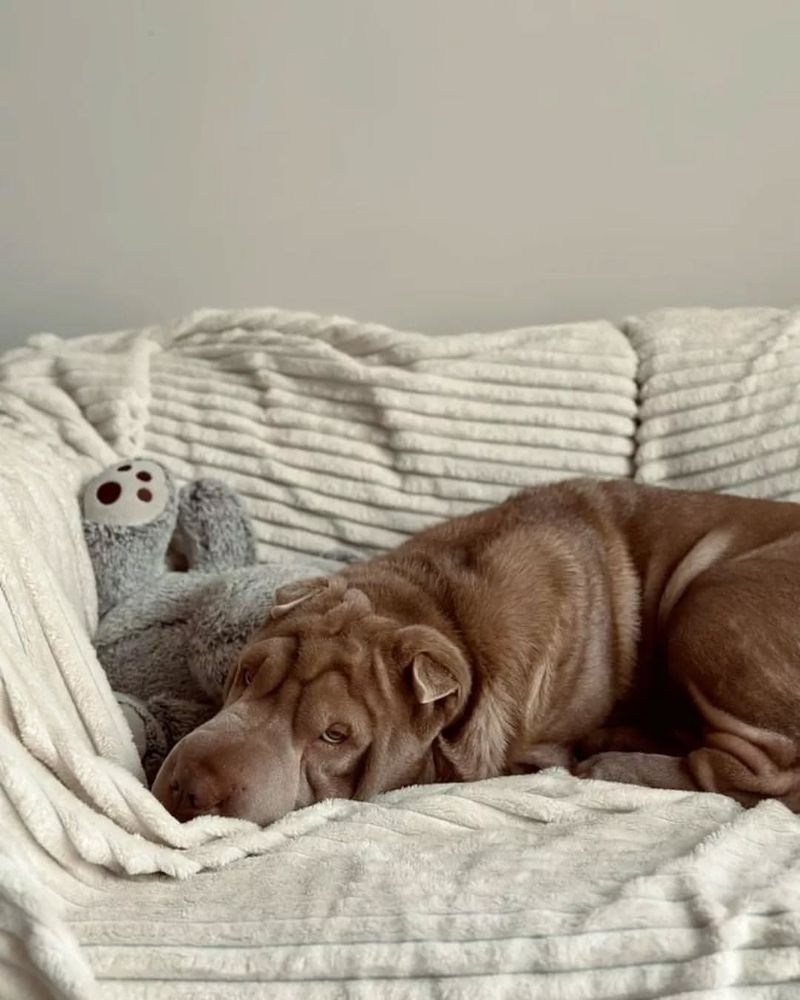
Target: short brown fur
pixel 628 632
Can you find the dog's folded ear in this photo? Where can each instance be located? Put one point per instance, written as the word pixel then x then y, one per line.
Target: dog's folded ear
pixel 431 680
pixel 436 666
pixel 292 594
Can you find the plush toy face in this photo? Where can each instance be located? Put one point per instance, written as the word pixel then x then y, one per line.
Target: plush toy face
pixel 133 492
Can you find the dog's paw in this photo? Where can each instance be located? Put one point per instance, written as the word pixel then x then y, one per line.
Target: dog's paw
pixel 608 767
pixel 133 492
pixel 653 770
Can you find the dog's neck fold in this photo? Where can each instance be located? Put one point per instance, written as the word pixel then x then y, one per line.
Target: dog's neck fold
pixel 477 745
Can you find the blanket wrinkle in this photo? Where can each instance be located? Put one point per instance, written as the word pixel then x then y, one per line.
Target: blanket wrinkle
pixel 719 399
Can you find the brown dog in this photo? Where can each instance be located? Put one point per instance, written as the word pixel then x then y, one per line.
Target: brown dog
pixel 595 620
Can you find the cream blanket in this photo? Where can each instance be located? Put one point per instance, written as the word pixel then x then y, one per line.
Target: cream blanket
pixel 720 400
pixel 537 886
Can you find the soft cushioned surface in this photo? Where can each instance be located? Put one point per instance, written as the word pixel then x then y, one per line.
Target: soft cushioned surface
pixel 540 887
pixel 533 886
pixel 339 432
pixel 720 400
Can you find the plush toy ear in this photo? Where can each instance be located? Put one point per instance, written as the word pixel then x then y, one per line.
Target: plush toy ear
pixel 437 667
pixel 292 594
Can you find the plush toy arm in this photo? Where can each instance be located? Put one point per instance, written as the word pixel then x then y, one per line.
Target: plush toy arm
pixel 213 532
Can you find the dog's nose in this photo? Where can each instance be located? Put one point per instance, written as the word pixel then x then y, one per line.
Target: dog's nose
pixel 194 791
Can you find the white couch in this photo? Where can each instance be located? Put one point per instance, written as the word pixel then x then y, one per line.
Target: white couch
pixel 533 886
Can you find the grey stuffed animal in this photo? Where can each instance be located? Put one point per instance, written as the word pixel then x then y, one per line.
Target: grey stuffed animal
pixel 179 592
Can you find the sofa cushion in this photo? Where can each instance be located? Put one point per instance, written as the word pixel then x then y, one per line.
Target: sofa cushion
pixel 720 400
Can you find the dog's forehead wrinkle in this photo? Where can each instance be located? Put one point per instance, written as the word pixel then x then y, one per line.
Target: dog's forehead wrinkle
pixel 336 689
pixel 316 653
pixel 351 606
pixel 356 657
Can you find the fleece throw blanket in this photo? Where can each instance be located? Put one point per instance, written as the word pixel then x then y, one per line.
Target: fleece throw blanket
pixel 540 886
pixel 336 432
pixel 720 400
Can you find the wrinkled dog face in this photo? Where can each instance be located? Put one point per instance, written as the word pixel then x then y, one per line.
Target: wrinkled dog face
pixel 329 700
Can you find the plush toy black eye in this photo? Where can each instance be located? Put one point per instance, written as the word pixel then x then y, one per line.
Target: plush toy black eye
pixel 334 735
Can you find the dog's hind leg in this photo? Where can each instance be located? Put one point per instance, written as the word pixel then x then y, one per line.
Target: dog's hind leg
pixel 732 646
pixel 741 759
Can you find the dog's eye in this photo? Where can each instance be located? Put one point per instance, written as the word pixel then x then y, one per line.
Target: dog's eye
pixel 334 735
pixel 247 676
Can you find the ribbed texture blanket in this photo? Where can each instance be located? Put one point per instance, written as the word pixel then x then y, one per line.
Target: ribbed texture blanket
pixel 338 432
pixel 720 400
pixel 533 886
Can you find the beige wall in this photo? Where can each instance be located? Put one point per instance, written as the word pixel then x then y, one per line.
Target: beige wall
pixel 439 164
